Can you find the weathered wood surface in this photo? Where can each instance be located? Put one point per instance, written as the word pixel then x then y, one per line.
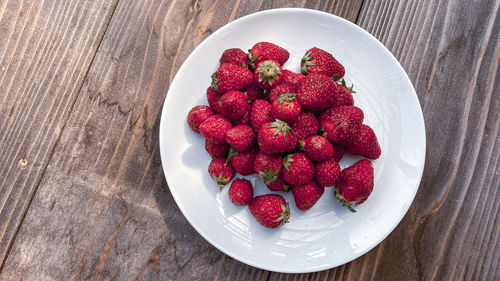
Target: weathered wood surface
pixel 91 201
pixel 46 49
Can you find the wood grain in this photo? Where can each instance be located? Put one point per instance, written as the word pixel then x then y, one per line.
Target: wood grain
pixel 102 209
pixel 45 51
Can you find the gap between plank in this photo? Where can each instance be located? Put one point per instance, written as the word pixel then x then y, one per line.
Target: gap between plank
pixel 44 169
pixel 359 11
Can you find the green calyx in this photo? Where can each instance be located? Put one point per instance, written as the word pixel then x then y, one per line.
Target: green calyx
pixel 251 60
pixel 287 161
pixel 345 202
pixel 221 179
pixel 281 126
pixel 334 77
pixel 214 82
pixel 350 89
pixel 268 72
pixel 269 176
pixel 302 145
pixel 284 214
pixel 305 62
pixel 286 98
pixel 232 152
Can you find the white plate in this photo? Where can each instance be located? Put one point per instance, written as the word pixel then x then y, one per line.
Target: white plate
pixel 327 235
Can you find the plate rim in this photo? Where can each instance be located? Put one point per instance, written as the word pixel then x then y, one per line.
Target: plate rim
pixel 419 119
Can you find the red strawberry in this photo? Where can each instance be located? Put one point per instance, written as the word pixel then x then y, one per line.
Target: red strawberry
pixel 216 150
pixel 280 89
pixel 286 108
pixel 198 115
pixel 243 162
pixel 253 92
pixel 268 167
pixel 307 195
pixel 241 192
pixel 317 92
pixel 215 128
pixel 339 152
pixel 270 210
pixel 231 77
pixel 345 95
pixel 241 138
pixel 233 105
pixel 365 143
pixel 267 74
pixel 275 137
pixel 260 114
pixel 355 184
pixel 306 125
pixel 268 51
pixel 235 56
pixel 319 61
pixel 213 98
pixel 220 171
pixel 318 148
pixel 291 78
pixel 298 169
pixel 279 185
pixel 341 123
pixel 245 119
pixel 327 173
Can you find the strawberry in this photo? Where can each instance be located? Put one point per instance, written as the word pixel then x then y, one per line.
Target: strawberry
pixel 298 169
pixel 317 92
pixel 339 152
pixel 245 119
pixel 291 78
pixel 216 150
pixel 241 138
pixel 220 171
pixel 286 108
pixel 235 56
pixel 279 185
pixel 355 184
pixel 267 74
pixel 307 195
pixel 280 89
pixel 241 192
pixel 319 61
pixel 243 162
pixel 213 98
pixel 260 114
pixel 305 126
pixel 275 137
pixel 268 51
pixel 268 167
pixel 198 115
pixel 318 148
pixel 253 92
pixel 270 210
pixel 233 105
pixel 345 95
pixel 231 77
pixel 365 143
pixel 327 172
pixel 341 123
pixel 215 128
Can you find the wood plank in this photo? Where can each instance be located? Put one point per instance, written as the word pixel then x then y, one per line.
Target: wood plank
pixel 45 52
pixel 103 196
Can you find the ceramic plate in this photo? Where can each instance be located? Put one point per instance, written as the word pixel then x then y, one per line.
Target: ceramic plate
pixel 327 235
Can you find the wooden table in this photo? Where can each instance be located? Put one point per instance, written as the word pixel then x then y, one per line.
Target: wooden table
pixel 82 192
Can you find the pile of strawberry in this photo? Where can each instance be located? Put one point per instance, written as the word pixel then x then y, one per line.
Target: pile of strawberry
pixel 291 129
